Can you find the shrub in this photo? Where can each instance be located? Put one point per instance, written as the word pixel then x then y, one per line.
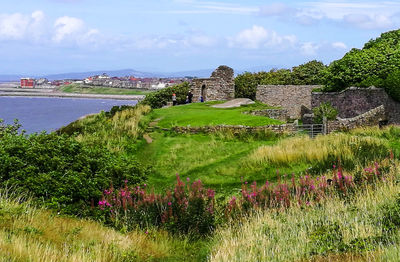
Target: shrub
pixel 324 110
pixel 392 84
pixel 160 98
pixel 188 208
pixel 63 173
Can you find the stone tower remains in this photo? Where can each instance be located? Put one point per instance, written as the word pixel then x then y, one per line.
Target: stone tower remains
pixel 220 86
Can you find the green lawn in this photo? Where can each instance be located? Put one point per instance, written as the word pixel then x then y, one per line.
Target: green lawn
pixel 73 88
pixel 202 114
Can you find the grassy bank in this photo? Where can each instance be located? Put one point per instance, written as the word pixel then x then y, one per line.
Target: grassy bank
pixel 75 88
pixel 364 227
pixel 32 234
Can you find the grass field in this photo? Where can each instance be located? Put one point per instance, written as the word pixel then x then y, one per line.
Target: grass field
pixel 202 114
pixel 73 88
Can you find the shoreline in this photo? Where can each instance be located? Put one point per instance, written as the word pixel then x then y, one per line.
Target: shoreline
pixel 70 95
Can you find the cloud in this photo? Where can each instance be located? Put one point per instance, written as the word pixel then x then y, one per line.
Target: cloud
pixel 309 48
pixel 72 30
pixel 20 26
pixel 67 27
pixel 339 45
pixel 13 26
pixel 259 37
pixel 276 9
pixel 368 21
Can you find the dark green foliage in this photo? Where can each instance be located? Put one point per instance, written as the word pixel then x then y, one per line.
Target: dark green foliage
pixel 391 217
pixel 326 238
pixel 63 173
pixel 311 73
pixel 372 65
pixel 392 84
pixel 324 110
pixel 160 98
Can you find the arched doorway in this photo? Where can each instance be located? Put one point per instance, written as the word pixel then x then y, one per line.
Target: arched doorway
pixel 204 92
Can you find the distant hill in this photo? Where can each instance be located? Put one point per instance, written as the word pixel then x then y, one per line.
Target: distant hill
pixel 203 73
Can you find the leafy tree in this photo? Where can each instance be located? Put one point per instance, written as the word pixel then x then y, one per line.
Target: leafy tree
pixel 392 84
pixel 160 98
pixel 310 73
pixel 324 110
pixel 368 66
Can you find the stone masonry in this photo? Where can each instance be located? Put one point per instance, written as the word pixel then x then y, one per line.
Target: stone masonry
pixel 220 86
pixel 356 101
pixel 370 118
pixel 289 97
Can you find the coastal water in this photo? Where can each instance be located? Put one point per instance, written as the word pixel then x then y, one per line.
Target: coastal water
pixel 38 114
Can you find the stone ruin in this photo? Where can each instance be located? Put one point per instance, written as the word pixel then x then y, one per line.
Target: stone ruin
pixel 220 86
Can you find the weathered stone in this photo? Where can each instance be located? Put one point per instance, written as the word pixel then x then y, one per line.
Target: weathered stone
pixel 356 101
pixel 290 97
pixel 220 86
pixel 371 118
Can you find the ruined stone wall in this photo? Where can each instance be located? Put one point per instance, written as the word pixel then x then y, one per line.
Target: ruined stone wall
pixel 370 118
pixel 220 86
pixel 356 101
pixel 279 129
pixel 289 97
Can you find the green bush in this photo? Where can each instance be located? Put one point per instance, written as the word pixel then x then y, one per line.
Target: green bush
pixel 324 110
pixel 392 84
pixel 160 98
pixel 64 174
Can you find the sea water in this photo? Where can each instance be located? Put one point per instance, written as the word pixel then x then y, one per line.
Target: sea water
pixel 37 114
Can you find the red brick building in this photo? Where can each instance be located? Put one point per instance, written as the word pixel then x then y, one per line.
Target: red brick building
pixel 27 82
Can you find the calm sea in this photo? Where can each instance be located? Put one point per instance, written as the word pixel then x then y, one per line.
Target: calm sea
pixel 42 113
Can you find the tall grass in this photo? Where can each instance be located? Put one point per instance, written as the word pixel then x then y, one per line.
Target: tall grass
pixel 31 234
pixel 336 230
pixel 322 151
pixel 118 132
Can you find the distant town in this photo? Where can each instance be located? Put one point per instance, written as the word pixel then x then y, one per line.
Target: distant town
pixel 129 82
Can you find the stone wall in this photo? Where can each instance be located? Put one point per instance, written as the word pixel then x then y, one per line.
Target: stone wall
pixel 289 97
pixel 280 114
pixel 280 129
pixel 371 118
pixel 220 86
pixel 356 101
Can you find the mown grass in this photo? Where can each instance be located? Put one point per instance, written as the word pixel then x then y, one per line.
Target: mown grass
pixel 339 229
pixel 202 114
pixel 32 234
pixel 74 88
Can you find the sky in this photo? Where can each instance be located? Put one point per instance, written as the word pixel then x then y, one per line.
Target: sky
pixel 58 36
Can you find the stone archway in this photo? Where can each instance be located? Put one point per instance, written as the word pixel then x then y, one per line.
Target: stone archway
pixel 204 92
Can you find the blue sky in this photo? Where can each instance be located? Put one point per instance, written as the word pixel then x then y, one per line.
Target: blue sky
pixel 54 36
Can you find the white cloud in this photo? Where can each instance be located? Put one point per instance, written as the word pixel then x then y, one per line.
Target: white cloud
pixel 309 48
pixel 259 37
pixel 368 21
pixel 339 45
pixel 13 26
pixel 67 27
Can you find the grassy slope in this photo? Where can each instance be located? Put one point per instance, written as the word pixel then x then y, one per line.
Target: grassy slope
pixel 202 114
pixel 31 234
pixel 73 88
pixel 317 232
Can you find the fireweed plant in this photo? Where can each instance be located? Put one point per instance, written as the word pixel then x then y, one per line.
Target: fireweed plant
pixel 191 208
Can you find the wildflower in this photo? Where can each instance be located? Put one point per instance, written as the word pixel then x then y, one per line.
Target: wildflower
pixel 169 203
